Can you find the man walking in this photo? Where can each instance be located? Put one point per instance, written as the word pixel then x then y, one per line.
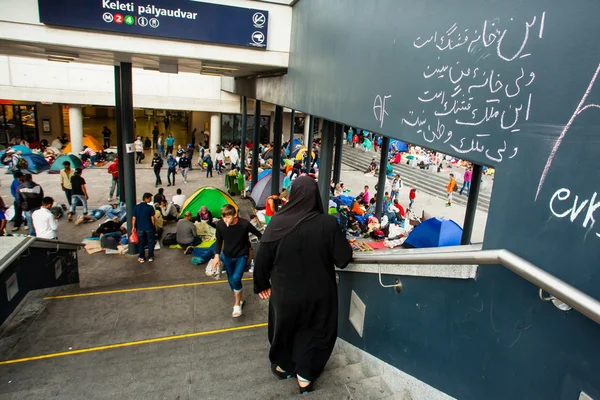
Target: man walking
pixel 106 133
pixel 172 165
pixel 233 240
pixel 44 221
pixel 450 188
pixel 79 194
pixel 157 164
pixel 170 141
pixel 184 166
pixel 155 133
pixel 396 186
pixel 467 180
pixel 113 169
pixel 187 235
pixel 65 180
pixel 143 223
pixel 18 180
pixel 30 199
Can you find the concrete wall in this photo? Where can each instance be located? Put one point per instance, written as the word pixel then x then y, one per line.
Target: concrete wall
pixel 29 79
pixel 52 112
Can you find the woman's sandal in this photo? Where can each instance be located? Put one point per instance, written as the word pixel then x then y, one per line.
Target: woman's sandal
pixel 306 389
pixel 237 310
pixel 141 260
pixel 278 372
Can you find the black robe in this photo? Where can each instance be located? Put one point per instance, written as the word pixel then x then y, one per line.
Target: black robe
pixel 303 310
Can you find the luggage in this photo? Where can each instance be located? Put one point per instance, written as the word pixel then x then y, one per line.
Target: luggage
pixel 170 239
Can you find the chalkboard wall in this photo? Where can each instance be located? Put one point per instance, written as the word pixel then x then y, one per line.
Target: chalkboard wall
pixel 511 84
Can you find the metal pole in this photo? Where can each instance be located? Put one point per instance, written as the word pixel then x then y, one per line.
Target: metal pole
pixel 255 142
pixel 244 123
pixel 311 135
pixel 326 155
pixel 120 140
pixel 337 165
pixel 128 158
pixel 385 143
pixel 292 118
pixel 558 288
pixel 278 131
pixel 471 205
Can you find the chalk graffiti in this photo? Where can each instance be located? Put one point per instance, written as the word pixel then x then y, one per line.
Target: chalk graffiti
pixel 480 101
pixel 379 108
pixel 580 108
pixel 574 207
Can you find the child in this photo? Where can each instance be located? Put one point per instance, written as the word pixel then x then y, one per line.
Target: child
pixel 411 197
pixel 209 166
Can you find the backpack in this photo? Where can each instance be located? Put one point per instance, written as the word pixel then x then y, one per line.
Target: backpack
pixel 22 163
pixel 170 239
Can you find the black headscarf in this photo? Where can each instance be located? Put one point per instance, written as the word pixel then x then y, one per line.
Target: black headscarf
pixel 305 203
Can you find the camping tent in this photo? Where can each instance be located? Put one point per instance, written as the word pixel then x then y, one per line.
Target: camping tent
pixel 398 145
pixel 210 197
pixel 292 147
pixel 57 165
pixel 434 232
pixel 263 190
pixel 88 141
pixel 24 150
pixel 301 150
pixel 37 163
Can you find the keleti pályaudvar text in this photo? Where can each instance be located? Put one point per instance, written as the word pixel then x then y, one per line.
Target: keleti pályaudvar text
pixel 148 10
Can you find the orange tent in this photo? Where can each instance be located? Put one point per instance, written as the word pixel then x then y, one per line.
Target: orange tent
pixel 88 141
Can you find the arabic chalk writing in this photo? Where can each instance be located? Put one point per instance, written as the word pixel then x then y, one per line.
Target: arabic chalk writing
pixel 479 102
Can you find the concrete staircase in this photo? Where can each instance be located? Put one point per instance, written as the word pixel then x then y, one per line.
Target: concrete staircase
pixel 426 181
pixel 345 376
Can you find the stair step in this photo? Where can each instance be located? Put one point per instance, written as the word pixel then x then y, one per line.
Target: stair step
pixel 337 361
pixel 373 388
pixel 342 375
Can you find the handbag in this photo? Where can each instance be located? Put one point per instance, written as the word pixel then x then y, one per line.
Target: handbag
pixel 133 238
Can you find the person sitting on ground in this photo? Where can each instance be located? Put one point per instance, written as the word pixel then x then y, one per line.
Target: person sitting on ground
pixel 100 157
pixel 187 235
pixel 168 210
pixel 87 154
pixel 147 143
pixel 160 196
pixel 110 226
pixel 158 222
pixel 399 209
pixel 179 199
pixel 372 166
pixel 204 215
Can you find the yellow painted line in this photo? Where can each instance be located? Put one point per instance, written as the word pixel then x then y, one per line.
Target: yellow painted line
pixel 179 285
pixel 129 344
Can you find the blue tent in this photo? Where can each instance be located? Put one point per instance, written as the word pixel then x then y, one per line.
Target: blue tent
pixel 434 232
pixel 292 147
pixel 399 145
pixel 36 162
pixel 262 175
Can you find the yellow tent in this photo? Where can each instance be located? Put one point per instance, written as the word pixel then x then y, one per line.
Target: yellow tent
pixel 302 151
pixel 88 141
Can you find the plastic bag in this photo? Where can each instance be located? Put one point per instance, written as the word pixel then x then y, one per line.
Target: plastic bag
pixel 133 238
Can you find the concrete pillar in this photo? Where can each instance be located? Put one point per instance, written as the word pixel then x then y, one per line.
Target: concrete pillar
pixel 306 140
pixel 76 128
pixel 326 163
pixel 215 133
pixel 272 127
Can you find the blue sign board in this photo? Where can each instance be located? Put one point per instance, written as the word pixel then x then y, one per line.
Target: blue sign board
pixel 174 19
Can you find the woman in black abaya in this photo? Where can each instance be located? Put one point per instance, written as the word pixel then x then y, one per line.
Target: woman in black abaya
pixel 294 267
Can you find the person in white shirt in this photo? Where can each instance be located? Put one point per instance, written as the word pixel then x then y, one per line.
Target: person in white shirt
pixel 56 143
pixel 179 199
pixel 234 156
pixel 44 222
pixel 138 146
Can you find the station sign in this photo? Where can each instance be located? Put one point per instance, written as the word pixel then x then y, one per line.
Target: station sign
pixel 173 19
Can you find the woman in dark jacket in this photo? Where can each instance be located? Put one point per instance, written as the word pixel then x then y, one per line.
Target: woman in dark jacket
pixel 294 268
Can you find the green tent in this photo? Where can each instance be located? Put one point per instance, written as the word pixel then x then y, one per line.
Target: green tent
pixel 210 197
pixel 57 165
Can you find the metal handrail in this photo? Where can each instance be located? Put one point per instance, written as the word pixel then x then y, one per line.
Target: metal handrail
pixel 568 294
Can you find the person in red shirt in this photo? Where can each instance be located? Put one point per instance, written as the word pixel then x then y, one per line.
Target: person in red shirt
pixel 113 169
pixel 411 197
pixel 399 208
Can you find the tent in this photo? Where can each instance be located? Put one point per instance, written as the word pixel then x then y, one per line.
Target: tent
pixel 210 197
pixel 398 145
pixel 37 163
pixel 298 153
pixel 57 165
pixel 263 190
pixel 24 150
pixel 291 148
pixel 434 232
pixel 88 141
